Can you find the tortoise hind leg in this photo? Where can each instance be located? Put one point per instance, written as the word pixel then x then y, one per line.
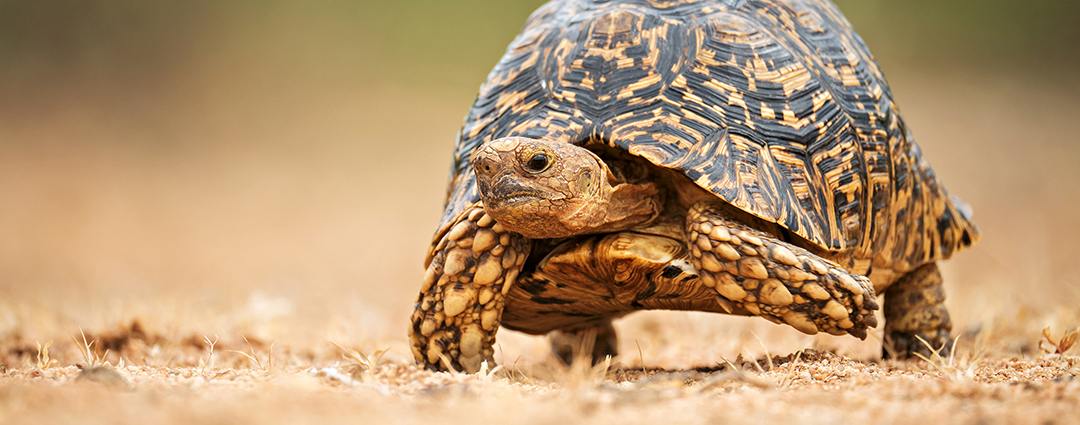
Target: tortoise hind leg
pixel 463 294
pixel 915 308
pixel 596 342
pixel 752 270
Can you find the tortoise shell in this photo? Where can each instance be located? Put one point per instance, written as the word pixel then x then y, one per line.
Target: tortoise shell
pixel 777 108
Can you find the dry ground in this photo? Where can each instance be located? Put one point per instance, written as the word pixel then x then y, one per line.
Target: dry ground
pixel 299 223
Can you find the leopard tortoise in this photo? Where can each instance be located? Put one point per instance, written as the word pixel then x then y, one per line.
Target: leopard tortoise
pixel 733 156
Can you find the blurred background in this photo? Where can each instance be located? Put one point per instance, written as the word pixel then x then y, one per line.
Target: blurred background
pixel 277 168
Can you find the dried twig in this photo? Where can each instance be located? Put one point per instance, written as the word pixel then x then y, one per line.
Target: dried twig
pixel 1060 346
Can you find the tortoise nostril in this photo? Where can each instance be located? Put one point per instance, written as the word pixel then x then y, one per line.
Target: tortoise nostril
pixel 486 167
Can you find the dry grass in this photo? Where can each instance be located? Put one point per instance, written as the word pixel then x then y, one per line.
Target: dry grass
pixel 258 265
pixel 806 387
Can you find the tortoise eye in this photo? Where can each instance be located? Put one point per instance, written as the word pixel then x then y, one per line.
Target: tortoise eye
pixel 538 163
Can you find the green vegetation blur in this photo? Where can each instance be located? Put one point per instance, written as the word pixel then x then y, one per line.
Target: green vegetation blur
pixel 440 45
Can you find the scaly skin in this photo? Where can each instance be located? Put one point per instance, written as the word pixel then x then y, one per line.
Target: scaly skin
pixel 915 308
pixel 462 296
pixel 583 284
pixel 776 280
pixel 586 282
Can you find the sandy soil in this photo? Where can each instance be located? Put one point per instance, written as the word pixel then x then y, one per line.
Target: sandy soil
pixel 807 387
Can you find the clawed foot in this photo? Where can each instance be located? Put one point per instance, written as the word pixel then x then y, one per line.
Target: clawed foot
pixel 462 296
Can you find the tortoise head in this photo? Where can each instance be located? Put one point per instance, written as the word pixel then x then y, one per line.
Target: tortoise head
pixel 543 189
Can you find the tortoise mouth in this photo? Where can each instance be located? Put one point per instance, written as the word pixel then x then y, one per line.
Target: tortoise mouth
pixel 516 198
pixel 510 192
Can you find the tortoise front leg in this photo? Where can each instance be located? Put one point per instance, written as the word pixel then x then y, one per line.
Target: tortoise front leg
pixel 781 282
pixel 462 296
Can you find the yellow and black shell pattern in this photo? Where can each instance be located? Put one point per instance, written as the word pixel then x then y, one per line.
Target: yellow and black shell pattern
pixel 776 107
